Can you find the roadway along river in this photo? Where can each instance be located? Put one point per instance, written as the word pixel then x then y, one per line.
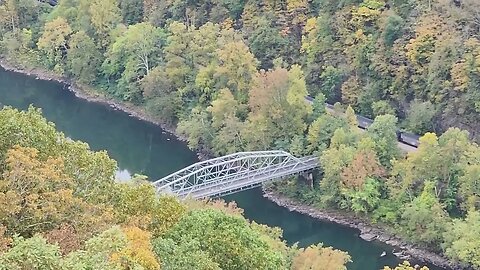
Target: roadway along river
pixel 140 147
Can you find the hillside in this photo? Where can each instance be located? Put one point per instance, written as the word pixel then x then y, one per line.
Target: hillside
pixel 232 76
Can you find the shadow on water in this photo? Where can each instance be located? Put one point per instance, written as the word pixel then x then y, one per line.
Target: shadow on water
pixel 143 148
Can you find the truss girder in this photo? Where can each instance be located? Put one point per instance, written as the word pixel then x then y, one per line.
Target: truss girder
pixel 232 173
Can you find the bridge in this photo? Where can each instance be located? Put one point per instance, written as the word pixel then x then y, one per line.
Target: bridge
pixel 233 173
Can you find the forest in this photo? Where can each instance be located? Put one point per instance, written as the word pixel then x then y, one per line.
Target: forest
pixel 232 76
pixel 60 209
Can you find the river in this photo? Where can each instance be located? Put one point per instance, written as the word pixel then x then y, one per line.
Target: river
pixel 141 147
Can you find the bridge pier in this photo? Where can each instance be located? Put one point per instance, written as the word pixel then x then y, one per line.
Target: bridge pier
pixel 308 176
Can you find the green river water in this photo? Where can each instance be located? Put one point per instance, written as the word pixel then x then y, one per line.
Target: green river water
pixel 140 147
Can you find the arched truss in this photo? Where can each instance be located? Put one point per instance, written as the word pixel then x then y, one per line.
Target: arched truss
pixel 232 173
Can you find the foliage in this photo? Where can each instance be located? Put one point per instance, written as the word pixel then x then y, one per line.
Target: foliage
pixel 228 240
pixel 318 258
pixel 233 75
pixel 405 266
pixel 59 219
pixel 32 253
pixel 462 239
pixel 424 218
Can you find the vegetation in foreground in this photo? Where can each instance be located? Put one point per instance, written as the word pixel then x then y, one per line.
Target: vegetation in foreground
pixel 60 208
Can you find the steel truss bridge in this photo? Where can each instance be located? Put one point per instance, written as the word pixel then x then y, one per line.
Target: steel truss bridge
pixel 233 173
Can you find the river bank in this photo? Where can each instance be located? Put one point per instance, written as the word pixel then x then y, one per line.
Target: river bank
pixel 368 232
pixel 85 93
pixel 89 94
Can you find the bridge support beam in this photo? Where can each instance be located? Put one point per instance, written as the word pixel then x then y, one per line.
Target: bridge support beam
pixel 236 172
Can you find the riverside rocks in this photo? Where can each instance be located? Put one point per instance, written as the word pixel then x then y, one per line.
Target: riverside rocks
pixel 368 232
pixel 368 236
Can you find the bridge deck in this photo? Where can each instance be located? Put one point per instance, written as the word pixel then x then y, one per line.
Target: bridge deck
pixel 233 173
pixel 233 183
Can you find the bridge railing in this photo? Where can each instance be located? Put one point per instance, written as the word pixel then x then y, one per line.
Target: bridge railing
pixel 226 169
pixel 241 180
pixel 207 164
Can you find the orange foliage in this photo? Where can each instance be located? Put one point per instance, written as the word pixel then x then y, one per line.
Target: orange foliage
pixel 65 237
pixel 365 164
pixel 5 241
pixel 268 88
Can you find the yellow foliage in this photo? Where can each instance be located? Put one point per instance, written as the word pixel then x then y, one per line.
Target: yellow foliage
pixel 351 90
pixel 138 251
pixel 460 77
pixel 405 266
pixel 310 25
pixel 428 31
pixel 37 195
pixel 218 204
pixel 296 4
pixel 320 258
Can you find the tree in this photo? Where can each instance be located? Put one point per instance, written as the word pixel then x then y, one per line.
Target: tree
pixel 92 172
pixel 161 99
pixel 331 81
pixel 237 66
pixel 98 251
pixel 334 160
pixel 420 117
pixel 184 255
pixel 136 204
pixel 405 266
pixel 105 16
pixel 321 131
pixel 178 61
pixel 5 241
pixel 393 29
pixel 37 196
pixel 365 199
pixel 227 239
pixel 132 11
pixel 297 91
pixel 83 58
pixel 383 132
pixel 462 239
pixel 318 106
pixel 8 16
pixel 319 258
pixel 382 107
pixel 351 90
pixel 137 251
pixel 277 99
pixel 424 219
pixel 469 187
pixel 364 165
pixel 132 56
pixel 223 107
pixel 32 253
pixel 266 42
pixel 53 42
pixel 64 237
pixel 18 47
pixel 197 129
